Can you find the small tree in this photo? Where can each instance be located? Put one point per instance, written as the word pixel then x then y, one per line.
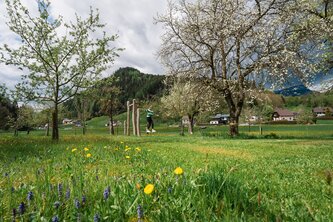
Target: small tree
pixel 328 112
pixel 58 65
pixel 305 117
pixel 25 119
pixel 188 99
pixel 83 104
pixel 109 99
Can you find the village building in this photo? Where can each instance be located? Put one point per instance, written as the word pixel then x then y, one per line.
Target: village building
pixel 284 115
pixel 322 111
pixel 67 121
pixel 185 120
pixel 219 119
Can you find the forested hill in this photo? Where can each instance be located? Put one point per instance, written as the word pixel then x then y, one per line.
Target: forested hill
pixel 132 85
pixel 137 85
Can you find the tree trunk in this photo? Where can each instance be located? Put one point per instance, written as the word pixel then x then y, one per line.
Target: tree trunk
pixel 15 132
pixel 83 117
pixel 233 126
pixel 191 124
pixel 181 127
pixel 111 120
pixel 55 129
pixel 84 128
pixel 111 127
pixel 48 126
pixel 128 119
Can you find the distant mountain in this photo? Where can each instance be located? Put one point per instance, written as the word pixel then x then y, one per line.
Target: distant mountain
pixel 298 90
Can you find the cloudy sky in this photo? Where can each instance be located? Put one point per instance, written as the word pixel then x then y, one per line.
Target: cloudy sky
pixel 132 20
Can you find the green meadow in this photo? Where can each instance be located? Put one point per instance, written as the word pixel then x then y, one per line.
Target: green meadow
pixel 283 175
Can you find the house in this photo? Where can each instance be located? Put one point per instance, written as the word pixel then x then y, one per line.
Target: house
pixel 185 120
pixel 219 119
pixel 254 119
pixel 284 115
pixel 67 121
pixel 322 111
pixel 114 123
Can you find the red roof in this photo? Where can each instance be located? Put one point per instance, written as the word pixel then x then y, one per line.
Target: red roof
pixel 284 112
pixel 321 109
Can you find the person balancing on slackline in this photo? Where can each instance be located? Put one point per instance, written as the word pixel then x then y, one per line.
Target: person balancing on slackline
pixel 150 122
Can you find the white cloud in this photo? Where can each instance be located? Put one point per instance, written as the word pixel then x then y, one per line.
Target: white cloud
pixel 323 85
pixel 132 20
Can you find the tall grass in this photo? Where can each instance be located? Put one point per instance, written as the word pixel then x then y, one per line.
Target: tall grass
pixel 223 179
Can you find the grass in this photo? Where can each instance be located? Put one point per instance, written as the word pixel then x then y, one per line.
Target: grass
pixel 224 179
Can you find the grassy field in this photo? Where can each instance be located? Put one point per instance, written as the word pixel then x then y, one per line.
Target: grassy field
pixel 98 177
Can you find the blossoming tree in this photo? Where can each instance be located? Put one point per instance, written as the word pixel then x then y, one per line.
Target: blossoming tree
pixel 224 43
pixel 60 58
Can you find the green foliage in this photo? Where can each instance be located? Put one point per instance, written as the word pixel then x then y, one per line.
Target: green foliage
pixel 223 180
pixel 312 100
pixel 59 65
pixel 124 85
pixel 136 85
pixel 8 109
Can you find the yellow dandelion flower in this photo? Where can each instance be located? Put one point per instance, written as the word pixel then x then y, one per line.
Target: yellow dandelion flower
pixel 122 142
pixel 86 149
pixel 73 150
pixel 149 189
pixel 88 155
pixel 116 149
pixel 138 149
pixel 178 171
pixel 127 157
pixel 127 149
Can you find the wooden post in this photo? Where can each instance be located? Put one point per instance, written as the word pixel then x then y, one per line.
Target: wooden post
pixel 124 127
pixel 134 117
pixel 138 122
pixel 128 119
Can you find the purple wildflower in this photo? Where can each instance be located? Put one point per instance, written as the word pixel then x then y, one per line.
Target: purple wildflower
pixel 56 204
pixel 6 174
pixel 30 196
pixel 169 190
pixel 59 189
pixel 106 193
pixel 77 203
pixel 140 212
pixel 68 193
pixel 55 219
pixel 97 218
pixel 84 199
pixel 21 208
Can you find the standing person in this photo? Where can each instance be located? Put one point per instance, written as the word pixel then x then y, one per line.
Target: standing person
pixel 150 122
